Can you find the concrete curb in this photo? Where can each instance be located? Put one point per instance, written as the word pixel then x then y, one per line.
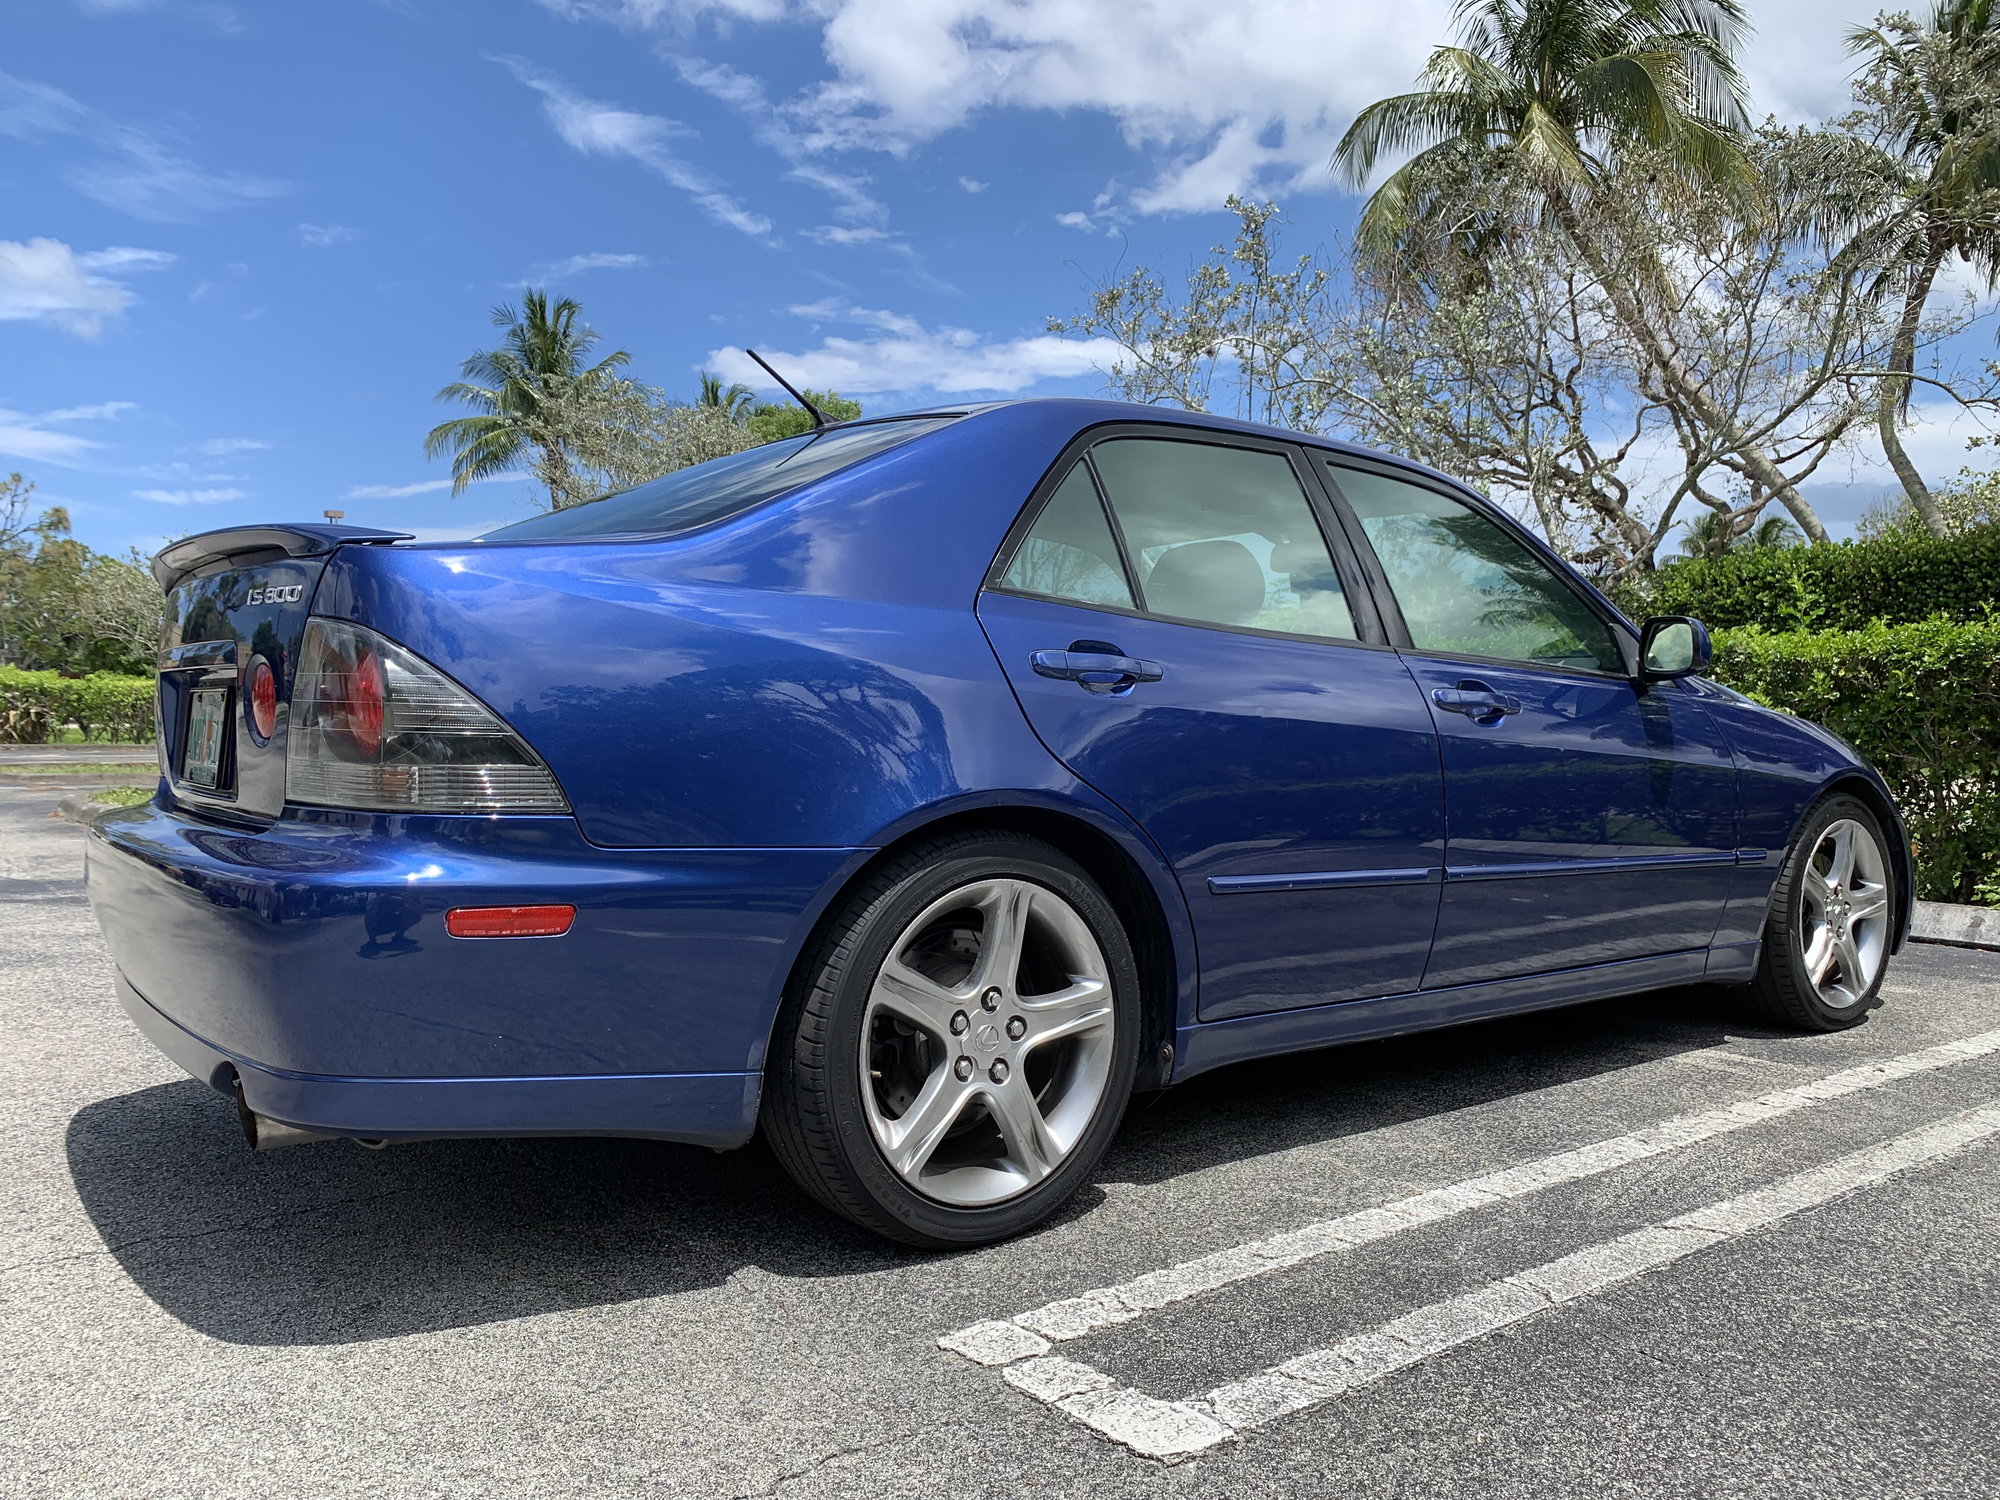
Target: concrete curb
pixel 1959 926
pixel 78 807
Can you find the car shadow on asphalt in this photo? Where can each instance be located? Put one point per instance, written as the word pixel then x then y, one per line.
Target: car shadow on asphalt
pixel 328 1243
pixel 1273 1104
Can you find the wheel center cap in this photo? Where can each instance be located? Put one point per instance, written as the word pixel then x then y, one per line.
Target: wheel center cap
pixel 987 1039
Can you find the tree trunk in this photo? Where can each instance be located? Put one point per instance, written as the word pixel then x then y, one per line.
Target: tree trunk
pixel 1893 393
pixel 1682 382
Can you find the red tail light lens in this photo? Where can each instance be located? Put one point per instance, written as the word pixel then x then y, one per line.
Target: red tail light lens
pixel 261 690
pixel 368 693
pixel 509 921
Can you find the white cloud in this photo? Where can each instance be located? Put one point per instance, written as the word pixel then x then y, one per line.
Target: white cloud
pixel 102 411
pixel 597 129
pixel 1221 98
pixel 188 497
pixel 421 487
pixel 972 184
pixel 45 281
pixel 223 447
pixel 911 357
pixel 319 236
pixel 141 172
pixel 1935 441
pixel 456 533
pixel 396 491
pixel 845 235
pixel 774 128
pixel 30 437
pixel 575 265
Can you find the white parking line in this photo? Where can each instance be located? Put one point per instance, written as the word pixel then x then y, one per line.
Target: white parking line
pixel 1031 1333
pixel 1175 1429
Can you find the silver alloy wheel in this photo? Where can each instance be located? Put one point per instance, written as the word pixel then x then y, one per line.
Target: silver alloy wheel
pixel 987 1042
pixel 1844 917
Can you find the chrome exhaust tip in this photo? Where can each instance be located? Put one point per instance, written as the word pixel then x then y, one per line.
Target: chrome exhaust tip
pixel 266 1134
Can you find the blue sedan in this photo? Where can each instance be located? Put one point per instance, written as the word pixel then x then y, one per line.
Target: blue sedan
pixel 919 789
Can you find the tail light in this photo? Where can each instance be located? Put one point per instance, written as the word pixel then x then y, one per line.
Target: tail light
pixel 261 688
pixel 375 727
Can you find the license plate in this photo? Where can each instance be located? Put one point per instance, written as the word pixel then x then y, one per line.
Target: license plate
pixel 208 717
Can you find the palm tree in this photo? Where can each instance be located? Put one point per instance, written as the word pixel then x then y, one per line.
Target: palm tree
pixel 735 401
pixel 1934 90
pixel 1552 94
pixel 1714 532
pixel 517 390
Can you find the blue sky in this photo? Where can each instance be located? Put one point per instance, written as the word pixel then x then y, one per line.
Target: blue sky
pixel 242 245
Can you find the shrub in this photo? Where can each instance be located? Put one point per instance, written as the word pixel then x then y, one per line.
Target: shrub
pixel 35 706
pixel 1922 702
pixel 1829 586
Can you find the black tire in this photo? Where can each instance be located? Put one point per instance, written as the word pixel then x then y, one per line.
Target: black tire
pixel 1783 989
pixel 813 1113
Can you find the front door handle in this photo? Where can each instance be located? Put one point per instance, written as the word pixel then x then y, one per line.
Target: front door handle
pixel 1476 701
pixel 1097 671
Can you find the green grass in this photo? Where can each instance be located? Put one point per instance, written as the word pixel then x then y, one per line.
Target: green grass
pixel 75 768
pixel 123 796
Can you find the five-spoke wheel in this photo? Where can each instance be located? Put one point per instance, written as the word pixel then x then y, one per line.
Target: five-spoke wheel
pixel 962 1050
pixel 987 1041
pixel 1844 916
pixel 1831 925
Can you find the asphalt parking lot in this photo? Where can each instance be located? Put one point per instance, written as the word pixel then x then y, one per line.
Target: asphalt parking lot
pixel 1640 1248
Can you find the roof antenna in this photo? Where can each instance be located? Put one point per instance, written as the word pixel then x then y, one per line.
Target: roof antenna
pixel 820 423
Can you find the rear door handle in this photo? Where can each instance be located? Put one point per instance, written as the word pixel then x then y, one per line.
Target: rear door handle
pixel 1097 671
pixel 1476 701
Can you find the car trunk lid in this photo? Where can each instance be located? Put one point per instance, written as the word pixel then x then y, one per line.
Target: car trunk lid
pixel 235 597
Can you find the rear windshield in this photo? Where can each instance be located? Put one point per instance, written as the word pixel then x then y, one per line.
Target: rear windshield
pixel 721 487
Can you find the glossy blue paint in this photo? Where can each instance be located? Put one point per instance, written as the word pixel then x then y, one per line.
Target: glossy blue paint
pixel 1256 756
pixel 703 1109
pixel 1594 774
pixel 743 715
pixel 317 945
pixel 1220 1043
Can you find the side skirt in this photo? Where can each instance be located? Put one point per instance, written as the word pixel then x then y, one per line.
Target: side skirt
pixel 1215 1044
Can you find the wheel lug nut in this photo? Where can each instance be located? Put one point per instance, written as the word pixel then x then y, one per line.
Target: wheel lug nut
pixel 962 1068
pixel 991 999
pixel 998 1072
pixel 1016 1028
pixel 959 1023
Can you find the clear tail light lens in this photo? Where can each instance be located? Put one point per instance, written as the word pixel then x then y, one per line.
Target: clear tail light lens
pixel 374 727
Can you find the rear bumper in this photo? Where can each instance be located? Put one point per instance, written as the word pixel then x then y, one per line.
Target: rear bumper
pixel 703 1109
pixel 309 959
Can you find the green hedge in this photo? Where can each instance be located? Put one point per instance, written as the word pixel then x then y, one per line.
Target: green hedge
pixel 1829 586
pixel 1922 702
pixel 34 706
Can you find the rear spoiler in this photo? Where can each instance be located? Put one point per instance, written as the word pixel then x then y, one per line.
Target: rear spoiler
pixel 244 545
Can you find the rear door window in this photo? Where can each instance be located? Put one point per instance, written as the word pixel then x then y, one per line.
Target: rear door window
pixel 1223 536
pixel 1069 553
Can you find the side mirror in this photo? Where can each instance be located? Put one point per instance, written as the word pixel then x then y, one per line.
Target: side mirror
pixel 1672 646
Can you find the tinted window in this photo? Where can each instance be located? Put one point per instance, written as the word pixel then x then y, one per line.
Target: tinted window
pixel 1466 586
pixel 1223 535
pixel 1069 553
pixel 721 487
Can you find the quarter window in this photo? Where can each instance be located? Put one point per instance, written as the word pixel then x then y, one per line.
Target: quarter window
pixel 1468 588
pixel 1221 535
pixel 1069 552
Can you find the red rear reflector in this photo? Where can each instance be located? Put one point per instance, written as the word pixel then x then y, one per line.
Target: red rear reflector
pixel 509 921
